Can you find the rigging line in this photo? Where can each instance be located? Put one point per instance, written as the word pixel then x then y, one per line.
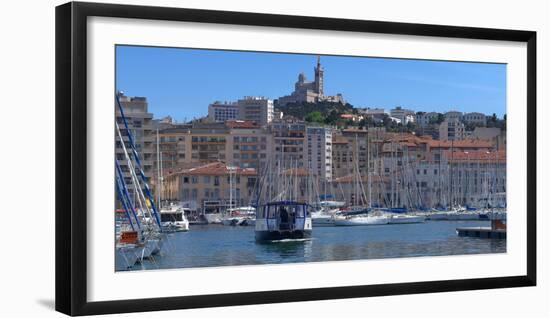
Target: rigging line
pixel 120 178
pixel 124 203
pixel 138 162
pixel 135 180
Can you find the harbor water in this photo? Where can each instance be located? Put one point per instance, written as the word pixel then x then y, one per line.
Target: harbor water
pixel 217 245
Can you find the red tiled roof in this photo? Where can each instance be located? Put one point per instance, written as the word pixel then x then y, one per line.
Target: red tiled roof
pixel 467 143
pixel 241 124
pixel 216 169
pixel 351 178
pixel 300 172
pixel 473 156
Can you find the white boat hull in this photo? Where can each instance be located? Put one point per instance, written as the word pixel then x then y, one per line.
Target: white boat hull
pixel 232 221
pixel 150 248
pixel 323 220
pixel 239 221
pixel 407 219
pixel 177 226
pixel 361 221
pixel 213 218
pixel 126 256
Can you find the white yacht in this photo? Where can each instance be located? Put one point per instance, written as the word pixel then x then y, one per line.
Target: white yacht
pixel 173 218
pixel 371 218
pixel 406 219
pixel 212 211
pixel 240 216
pixel 324 217
pixel 361 220
pixel 332 204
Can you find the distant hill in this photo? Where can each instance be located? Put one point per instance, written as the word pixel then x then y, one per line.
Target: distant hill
pixel 321 112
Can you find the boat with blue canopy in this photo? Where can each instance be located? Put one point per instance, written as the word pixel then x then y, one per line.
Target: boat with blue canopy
pixel 283 220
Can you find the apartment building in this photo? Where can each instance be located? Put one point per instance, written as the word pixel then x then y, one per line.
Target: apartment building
pixel 249 145
pixel 139 122
pixel 453 115
pixel 215 182
pixel 405 116
pixel 341 156
pixel 287 150
pixel 318 152
pixel 257 109
pixel 222 111
pixel 424 119
pixel 249 108
pixel 452 129
pixel 475 118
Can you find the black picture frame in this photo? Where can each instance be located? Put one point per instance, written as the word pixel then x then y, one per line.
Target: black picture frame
pixel 71 157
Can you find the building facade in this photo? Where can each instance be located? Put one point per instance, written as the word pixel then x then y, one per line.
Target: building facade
pixel 452 129
pixel 289 138
pixel 140 124
pixel 257 109
pixel 240 143
pixel 453 115
pixel 425 119
pixel 494 134
pixel 404 115
pixel 221 112
pixel 249 145
pixel 318 152
pixel 214 183
pixel 474 118
pixel 414 172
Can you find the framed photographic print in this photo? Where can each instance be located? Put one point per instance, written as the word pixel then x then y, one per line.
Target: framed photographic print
pixel 210 158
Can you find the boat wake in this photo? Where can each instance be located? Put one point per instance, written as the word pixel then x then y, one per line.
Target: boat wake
pixel 290 240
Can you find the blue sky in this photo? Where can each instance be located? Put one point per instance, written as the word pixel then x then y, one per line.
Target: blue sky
pixel 182 82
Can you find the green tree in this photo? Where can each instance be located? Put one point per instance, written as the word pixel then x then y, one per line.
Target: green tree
pixel 411 126
pixel 315 117
pixel 440 118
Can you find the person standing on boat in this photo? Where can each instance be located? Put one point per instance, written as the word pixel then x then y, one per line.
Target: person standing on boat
pixel 284 215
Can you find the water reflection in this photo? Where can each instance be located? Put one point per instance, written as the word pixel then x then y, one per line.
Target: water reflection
pixel 205 246
pixel 292 251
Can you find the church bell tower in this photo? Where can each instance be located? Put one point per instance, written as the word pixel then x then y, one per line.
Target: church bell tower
pixel 319 77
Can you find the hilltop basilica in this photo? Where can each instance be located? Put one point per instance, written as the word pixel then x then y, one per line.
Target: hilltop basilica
pixel 310 92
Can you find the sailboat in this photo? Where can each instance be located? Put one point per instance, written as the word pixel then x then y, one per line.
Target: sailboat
pixel 172 216
pixel 140 235
pixel 243 215
pixel 324 210
pixel 361 215
pixel 323 217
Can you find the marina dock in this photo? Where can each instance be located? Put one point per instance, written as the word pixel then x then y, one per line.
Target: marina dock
pixel 497 230
pixel 481 232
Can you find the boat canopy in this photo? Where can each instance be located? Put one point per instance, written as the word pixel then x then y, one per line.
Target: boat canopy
pixel 283 209
pixel 285 203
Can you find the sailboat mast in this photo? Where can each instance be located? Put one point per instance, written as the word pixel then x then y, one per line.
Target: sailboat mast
pixel 158 169
pixel 230 188
pixel 368 170
pixel 161 188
